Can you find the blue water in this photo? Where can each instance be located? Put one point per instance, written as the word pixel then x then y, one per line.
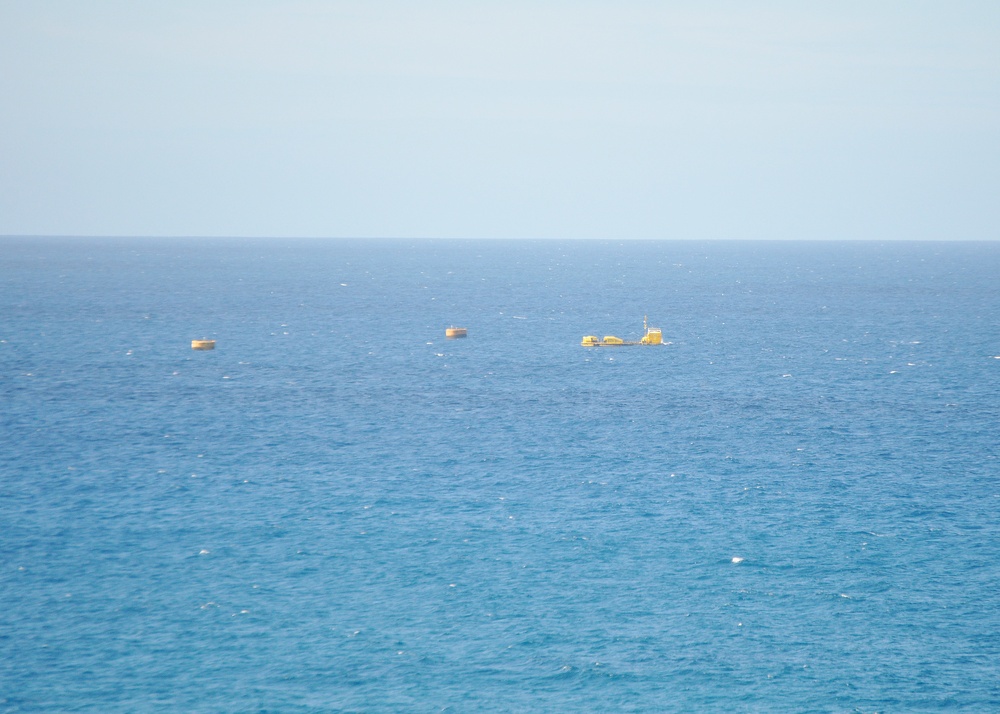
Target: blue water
pixel 339 510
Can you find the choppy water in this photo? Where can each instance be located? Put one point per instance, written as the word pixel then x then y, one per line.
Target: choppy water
pixel 793 506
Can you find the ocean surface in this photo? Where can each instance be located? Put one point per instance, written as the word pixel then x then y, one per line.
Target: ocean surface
pixel 792 506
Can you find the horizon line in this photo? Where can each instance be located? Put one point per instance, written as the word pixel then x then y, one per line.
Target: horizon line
pixel 130 236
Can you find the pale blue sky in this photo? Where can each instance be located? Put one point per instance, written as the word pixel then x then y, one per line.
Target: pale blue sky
pixel 786 120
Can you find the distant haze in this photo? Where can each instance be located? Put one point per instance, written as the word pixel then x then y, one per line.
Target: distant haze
pixel 783 120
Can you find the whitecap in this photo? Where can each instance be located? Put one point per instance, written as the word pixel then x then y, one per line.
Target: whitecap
pixel 737 560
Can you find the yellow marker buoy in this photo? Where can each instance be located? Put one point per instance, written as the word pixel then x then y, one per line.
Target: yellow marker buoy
pixel 453 332
pixel 203 344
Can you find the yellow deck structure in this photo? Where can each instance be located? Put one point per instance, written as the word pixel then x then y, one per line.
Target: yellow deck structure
pixel 652 336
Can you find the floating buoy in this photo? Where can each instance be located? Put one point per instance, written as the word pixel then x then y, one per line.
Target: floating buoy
pixel 203 344
pixel 454 332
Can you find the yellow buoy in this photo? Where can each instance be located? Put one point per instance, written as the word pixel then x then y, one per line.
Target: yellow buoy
pixel 203 344
pixel 453 332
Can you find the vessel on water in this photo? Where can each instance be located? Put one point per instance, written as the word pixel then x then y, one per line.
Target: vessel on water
pixel 651 336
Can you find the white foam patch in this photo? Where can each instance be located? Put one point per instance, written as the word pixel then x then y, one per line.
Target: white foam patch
pixel 737 560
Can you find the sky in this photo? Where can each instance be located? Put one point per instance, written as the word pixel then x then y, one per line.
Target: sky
pixel 513 119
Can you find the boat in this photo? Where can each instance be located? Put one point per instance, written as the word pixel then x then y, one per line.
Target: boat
pixel 651 336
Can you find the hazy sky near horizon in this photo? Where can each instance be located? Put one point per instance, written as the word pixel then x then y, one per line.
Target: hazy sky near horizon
pixel 546 119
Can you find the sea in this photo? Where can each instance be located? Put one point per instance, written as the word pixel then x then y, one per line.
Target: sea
pixel 792 505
